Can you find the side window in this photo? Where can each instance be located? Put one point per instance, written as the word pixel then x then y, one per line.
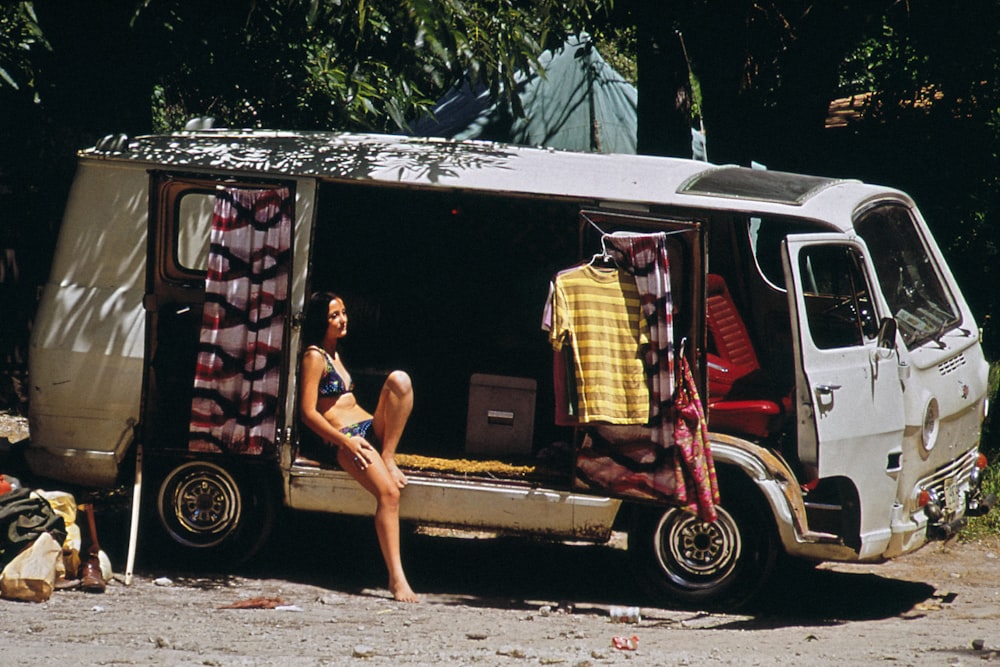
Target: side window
pixel 839 307
pixel 182 225
pixel 194 226
pixel 911 283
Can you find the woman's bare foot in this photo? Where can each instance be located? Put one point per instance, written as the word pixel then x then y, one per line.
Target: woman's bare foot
pixel 396 474
pixel 402 592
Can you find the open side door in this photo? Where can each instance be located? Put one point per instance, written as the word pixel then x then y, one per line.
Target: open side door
pixel 849 401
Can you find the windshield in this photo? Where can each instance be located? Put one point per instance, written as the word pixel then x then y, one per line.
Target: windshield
pixel 920 302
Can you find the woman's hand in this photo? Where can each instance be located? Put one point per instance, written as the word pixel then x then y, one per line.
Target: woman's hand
pixel 362 452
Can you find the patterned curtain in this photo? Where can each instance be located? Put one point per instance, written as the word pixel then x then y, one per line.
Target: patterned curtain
pixel 246 299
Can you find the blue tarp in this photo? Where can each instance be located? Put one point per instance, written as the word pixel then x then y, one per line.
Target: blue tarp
pixel 580 103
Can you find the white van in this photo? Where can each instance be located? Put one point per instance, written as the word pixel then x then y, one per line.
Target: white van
pixel 838 363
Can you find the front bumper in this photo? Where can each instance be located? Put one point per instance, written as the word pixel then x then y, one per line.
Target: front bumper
pixel 945 512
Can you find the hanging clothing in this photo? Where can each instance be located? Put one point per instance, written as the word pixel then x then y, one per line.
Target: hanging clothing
pixel 596 312
pixel 563 374
pixel 243 322
pixel 644 256
pixel 690 431
pixel 623 461
pixel 681 423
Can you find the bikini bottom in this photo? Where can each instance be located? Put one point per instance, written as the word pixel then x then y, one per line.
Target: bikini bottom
pixel 361 429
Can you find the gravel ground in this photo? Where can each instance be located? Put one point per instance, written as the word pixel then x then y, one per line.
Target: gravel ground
pixel 496 601
pixel 13 427
pixel 935 608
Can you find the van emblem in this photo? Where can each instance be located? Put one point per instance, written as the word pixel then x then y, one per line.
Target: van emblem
pixel 965 390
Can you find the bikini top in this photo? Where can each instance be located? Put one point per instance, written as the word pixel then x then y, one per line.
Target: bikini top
pixel 331 385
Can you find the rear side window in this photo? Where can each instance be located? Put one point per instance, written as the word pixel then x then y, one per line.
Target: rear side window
pixel 183 211
pixel 921 303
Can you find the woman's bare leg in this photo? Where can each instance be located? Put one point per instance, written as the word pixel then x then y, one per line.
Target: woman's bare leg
pixel 377 480
pixel 395 403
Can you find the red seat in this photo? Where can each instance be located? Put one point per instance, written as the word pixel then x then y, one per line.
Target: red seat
pixel 734 356
pixel 731 357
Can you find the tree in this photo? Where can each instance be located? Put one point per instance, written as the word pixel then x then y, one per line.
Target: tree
pixel 932 127
pixel 355 64
pixel 767 71
pixel 19 32
pixel 665 95
pixel 71 73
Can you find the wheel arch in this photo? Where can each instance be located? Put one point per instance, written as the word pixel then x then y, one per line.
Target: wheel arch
pixel 743 462
pixel 740 461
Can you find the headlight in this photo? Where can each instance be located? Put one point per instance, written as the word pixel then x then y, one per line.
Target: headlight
pixel 929 428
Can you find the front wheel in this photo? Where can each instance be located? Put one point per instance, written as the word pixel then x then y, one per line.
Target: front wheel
pixel 695 564
pixel 216 514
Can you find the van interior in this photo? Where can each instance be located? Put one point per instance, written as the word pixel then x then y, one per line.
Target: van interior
pixel 450 287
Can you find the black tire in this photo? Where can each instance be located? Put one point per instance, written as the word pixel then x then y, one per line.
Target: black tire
pixel 693 564
pixel 213 515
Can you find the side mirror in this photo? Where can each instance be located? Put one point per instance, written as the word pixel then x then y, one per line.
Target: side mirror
pixel 886 338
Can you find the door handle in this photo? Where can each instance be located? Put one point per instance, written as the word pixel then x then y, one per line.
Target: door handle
pixel 827 388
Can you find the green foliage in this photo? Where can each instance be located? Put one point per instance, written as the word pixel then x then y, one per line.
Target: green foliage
pixel 351 64
pixel 979 527
pixel 884 63
pixel 988 525
pixel 990 443
pixel 19 34
pixel 618 46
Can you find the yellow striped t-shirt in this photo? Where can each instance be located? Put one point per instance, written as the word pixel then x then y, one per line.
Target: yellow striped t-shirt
pixel 597 312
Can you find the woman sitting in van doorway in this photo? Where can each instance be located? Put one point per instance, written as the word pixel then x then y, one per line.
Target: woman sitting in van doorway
pixel 328 407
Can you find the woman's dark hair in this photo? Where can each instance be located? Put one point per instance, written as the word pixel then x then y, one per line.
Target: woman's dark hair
pixel 316 320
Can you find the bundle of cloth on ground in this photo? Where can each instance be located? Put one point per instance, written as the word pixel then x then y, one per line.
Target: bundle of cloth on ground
pixel 41 546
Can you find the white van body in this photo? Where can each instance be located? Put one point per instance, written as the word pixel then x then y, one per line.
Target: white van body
pixel 880 408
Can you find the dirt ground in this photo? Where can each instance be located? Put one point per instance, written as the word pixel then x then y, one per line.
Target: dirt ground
pixel 499 601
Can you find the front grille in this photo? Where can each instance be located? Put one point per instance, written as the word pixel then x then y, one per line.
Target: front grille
pixel 960 469
pixel 951 365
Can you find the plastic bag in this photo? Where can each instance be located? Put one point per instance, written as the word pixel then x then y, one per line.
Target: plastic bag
pixel 64 504
pixel 31 576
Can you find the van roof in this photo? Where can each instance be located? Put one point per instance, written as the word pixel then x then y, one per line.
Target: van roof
pixel 494 167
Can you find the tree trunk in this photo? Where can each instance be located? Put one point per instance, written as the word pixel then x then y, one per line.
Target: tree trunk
pixel 664 109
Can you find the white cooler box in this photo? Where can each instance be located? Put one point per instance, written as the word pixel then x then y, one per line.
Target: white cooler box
pixel 501 416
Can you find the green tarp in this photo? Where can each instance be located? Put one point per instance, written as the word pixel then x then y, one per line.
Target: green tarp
pixel 580 103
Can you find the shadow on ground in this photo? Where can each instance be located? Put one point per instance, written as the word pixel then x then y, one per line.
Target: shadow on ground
pixel 341 554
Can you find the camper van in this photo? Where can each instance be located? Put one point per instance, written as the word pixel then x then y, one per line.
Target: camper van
pixel 811 380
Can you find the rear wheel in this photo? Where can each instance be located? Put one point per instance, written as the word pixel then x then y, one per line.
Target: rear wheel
pixel 216 514
pixel 696 564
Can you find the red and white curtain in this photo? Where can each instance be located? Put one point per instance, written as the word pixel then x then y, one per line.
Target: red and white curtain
pixel 238 375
